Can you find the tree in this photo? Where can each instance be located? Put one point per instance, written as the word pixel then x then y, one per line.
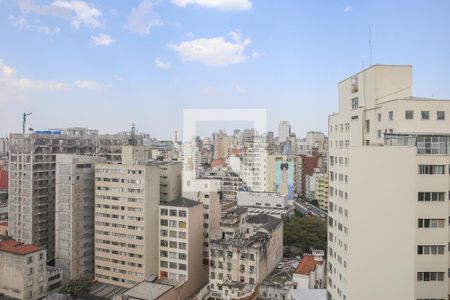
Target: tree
pixel 76 287
pixel 306 233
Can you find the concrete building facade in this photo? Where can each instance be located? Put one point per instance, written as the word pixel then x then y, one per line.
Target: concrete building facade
pixel 23 270
pixel 389 182
pixel 126 223
pixel 74 215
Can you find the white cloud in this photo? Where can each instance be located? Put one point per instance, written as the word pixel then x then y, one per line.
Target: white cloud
pixel 89 85
pixel 78 12
pixel 219 4
pixel 24 23
pixel 213 51
pixel 211 91
pixel 143 18
pixel 238 88
pixel 117 77
pixel 348 8
pixel 101 40
pixel 160 64
pixel 6 70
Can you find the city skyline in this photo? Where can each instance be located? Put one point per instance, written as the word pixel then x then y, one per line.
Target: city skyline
pixel 142 61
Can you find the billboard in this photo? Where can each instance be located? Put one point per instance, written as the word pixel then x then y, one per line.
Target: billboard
pixel 284 178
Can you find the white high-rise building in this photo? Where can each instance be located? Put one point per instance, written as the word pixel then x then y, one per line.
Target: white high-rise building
pixel 388 232
pixel 284 129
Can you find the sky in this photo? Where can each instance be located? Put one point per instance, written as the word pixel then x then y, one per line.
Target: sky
pixel 107 64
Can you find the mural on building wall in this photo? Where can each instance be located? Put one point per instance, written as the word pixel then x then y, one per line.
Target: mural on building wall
pixel 284 178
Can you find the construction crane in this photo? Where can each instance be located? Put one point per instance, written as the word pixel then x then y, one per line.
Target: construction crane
pixel 24 121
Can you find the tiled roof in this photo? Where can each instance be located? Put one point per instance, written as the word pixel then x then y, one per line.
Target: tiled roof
pixel 12 246
pixel 217 163
pixel 306 266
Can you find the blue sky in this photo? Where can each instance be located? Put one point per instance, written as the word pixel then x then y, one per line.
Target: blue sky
pixel 106 64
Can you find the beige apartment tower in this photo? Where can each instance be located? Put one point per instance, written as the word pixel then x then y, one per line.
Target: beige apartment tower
pixel 389 157
pixel 126 223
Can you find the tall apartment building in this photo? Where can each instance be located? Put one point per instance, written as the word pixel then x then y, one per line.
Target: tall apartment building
pixel 23 270
pixel 284 129
pixel 222 143
pixel 254 166
pixel 389 181
pixel 181 244
pixel 74 215
pixel 321 190
pixel 231 184
pixel 32 163
pixel 126 223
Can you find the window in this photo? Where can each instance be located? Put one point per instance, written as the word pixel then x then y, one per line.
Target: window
pixel 431 223
pixel 355 103
pixel 379 117
pixel 430 249
pixel 409 115
pixel 440 115
pixel 379 134
pixel 432 145
pixel 430 276
pixel 431 196
pixel 390 115
pixel 431 169
pixel 425 115
pixel 182 213
pixel 367 125
pixel 173 212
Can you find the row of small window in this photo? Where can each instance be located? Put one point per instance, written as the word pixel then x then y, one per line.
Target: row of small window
pixel 342 127
pixel 337 176
pixel 120 271
pixel 432 196
pixel 430 276
pixel 122 208
pixel 430 249
pixel 117 261
pixel 332 207
pixel 121 217
pixel 121 180
pixel 115 225
pixel 220 276
pixel 431 223
pixel 30 259
pixel 172 223
pixel 173 276
pixel 31 270
pixel 115 198
pixel 119 235
pixel 173 234
pixel 119 244
pixel 335 192
pixel 121 190
pixel 431 169
pixel 123 280
pixel 172 265
pixel 409 115
pixel 118 171
pixel 173 212
pixel 173 244
pixel 342 144
pixel 338 160
pixel 173 255
pixel 115 252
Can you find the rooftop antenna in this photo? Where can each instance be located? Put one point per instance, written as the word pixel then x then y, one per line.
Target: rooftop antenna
pixel 370 44
pixel 24 121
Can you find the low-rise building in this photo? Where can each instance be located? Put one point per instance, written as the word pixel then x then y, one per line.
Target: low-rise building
pixel 23 270
pixel 231 184
pixel 310 273
pixel 249 250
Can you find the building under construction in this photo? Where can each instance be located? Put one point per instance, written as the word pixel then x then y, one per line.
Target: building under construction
pixel 32 176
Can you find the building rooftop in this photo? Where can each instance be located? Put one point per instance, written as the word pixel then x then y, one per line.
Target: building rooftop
pixel 147 290
pixel 11 246
pixel 182 202
pixel 269 222
pixel 310 294
pixel 306 265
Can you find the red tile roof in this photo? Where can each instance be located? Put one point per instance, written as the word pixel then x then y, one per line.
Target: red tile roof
pixel 217 163
pixel 306 266
pixel 235 152
pixel 12 246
